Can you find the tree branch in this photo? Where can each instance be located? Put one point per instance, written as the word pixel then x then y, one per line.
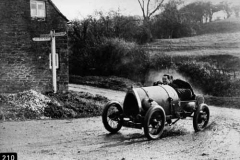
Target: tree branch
pixel 142 7
pixel 158 6
pixel 148 7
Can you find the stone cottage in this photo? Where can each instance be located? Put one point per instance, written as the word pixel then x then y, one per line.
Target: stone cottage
pixel 24 63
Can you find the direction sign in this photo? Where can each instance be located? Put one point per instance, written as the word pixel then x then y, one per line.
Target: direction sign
pixel 54 34
pixel 60 34
pixel 41 39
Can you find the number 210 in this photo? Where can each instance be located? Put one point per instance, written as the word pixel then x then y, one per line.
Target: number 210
pixel 8 157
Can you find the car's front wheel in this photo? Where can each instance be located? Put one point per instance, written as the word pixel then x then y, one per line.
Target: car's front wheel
pixel 154 122
pixel 112 117
pixel 201 117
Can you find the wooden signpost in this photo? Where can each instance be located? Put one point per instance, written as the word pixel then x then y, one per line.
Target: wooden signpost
pixel 42 39
pixel 51 37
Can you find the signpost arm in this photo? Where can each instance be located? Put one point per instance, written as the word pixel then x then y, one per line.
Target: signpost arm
pixel 54 72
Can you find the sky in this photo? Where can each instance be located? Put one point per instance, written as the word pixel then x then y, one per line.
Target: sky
pixel 79 9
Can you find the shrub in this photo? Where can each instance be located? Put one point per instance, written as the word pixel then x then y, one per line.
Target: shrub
pixel 114 57
pixel 204 75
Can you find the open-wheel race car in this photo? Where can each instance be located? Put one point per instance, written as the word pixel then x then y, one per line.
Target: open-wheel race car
pixel 153 107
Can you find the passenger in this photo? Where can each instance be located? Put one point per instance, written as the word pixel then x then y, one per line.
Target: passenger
pixel 157 83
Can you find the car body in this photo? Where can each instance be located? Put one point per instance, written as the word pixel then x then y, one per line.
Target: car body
pixel 153 107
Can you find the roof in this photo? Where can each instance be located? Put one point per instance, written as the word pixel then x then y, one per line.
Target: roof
pixel 50 1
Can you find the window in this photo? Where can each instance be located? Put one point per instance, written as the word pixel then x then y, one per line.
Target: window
pixel 37 9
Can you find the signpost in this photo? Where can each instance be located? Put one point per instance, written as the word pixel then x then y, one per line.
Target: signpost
pixel 51 37
pixel 42 39
pixel 56 34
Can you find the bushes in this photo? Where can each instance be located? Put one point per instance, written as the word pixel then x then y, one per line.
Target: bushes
pixel 113 57
pixel 206 77
pixel 97 46
pixel 234 88
pixel 214 74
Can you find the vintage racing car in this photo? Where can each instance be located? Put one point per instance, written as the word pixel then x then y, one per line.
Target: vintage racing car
pixel 153 107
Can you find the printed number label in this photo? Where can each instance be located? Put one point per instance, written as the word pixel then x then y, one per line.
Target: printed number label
pixel 8 156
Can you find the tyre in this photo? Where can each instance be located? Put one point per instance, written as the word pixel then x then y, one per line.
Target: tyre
pixel 112 117
pixel 154 122
pixel 201 117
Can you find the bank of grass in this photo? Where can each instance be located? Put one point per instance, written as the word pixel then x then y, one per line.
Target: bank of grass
pixel 222 26
pixel 30 105
pixel 226 102
pixel 109 82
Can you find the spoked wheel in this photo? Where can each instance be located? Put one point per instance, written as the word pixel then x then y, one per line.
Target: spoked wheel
pixel 112 117
pixel 201 118
pixel 154 122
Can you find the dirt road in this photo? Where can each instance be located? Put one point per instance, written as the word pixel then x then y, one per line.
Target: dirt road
pixel 87 139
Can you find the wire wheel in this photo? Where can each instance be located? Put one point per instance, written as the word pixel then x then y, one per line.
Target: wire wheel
pixel 201 118
pixel 112 117
pixel 154 122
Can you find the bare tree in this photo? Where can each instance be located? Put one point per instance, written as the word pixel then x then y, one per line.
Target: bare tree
pixel 149 7
pixel 146 8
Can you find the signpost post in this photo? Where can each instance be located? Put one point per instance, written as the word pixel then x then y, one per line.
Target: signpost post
pixel 51 37
pixel 54 71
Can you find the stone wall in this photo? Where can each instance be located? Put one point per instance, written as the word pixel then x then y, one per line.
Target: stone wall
pixel 24 64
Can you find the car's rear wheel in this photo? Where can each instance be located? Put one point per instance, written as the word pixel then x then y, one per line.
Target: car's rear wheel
pixel 154 122
pixel 201 117
pixel 112 117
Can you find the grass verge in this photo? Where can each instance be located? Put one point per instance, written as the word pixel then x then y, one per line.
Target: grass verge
pixel 33 105
pixel 110 82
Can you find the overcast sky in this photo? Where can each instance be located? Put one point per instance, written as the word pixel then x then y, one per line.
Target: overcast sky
pixel 81 8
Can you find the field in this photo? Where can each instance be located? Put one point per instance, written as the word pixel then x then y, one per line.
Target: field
pixel 208 44
pixel 221 37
